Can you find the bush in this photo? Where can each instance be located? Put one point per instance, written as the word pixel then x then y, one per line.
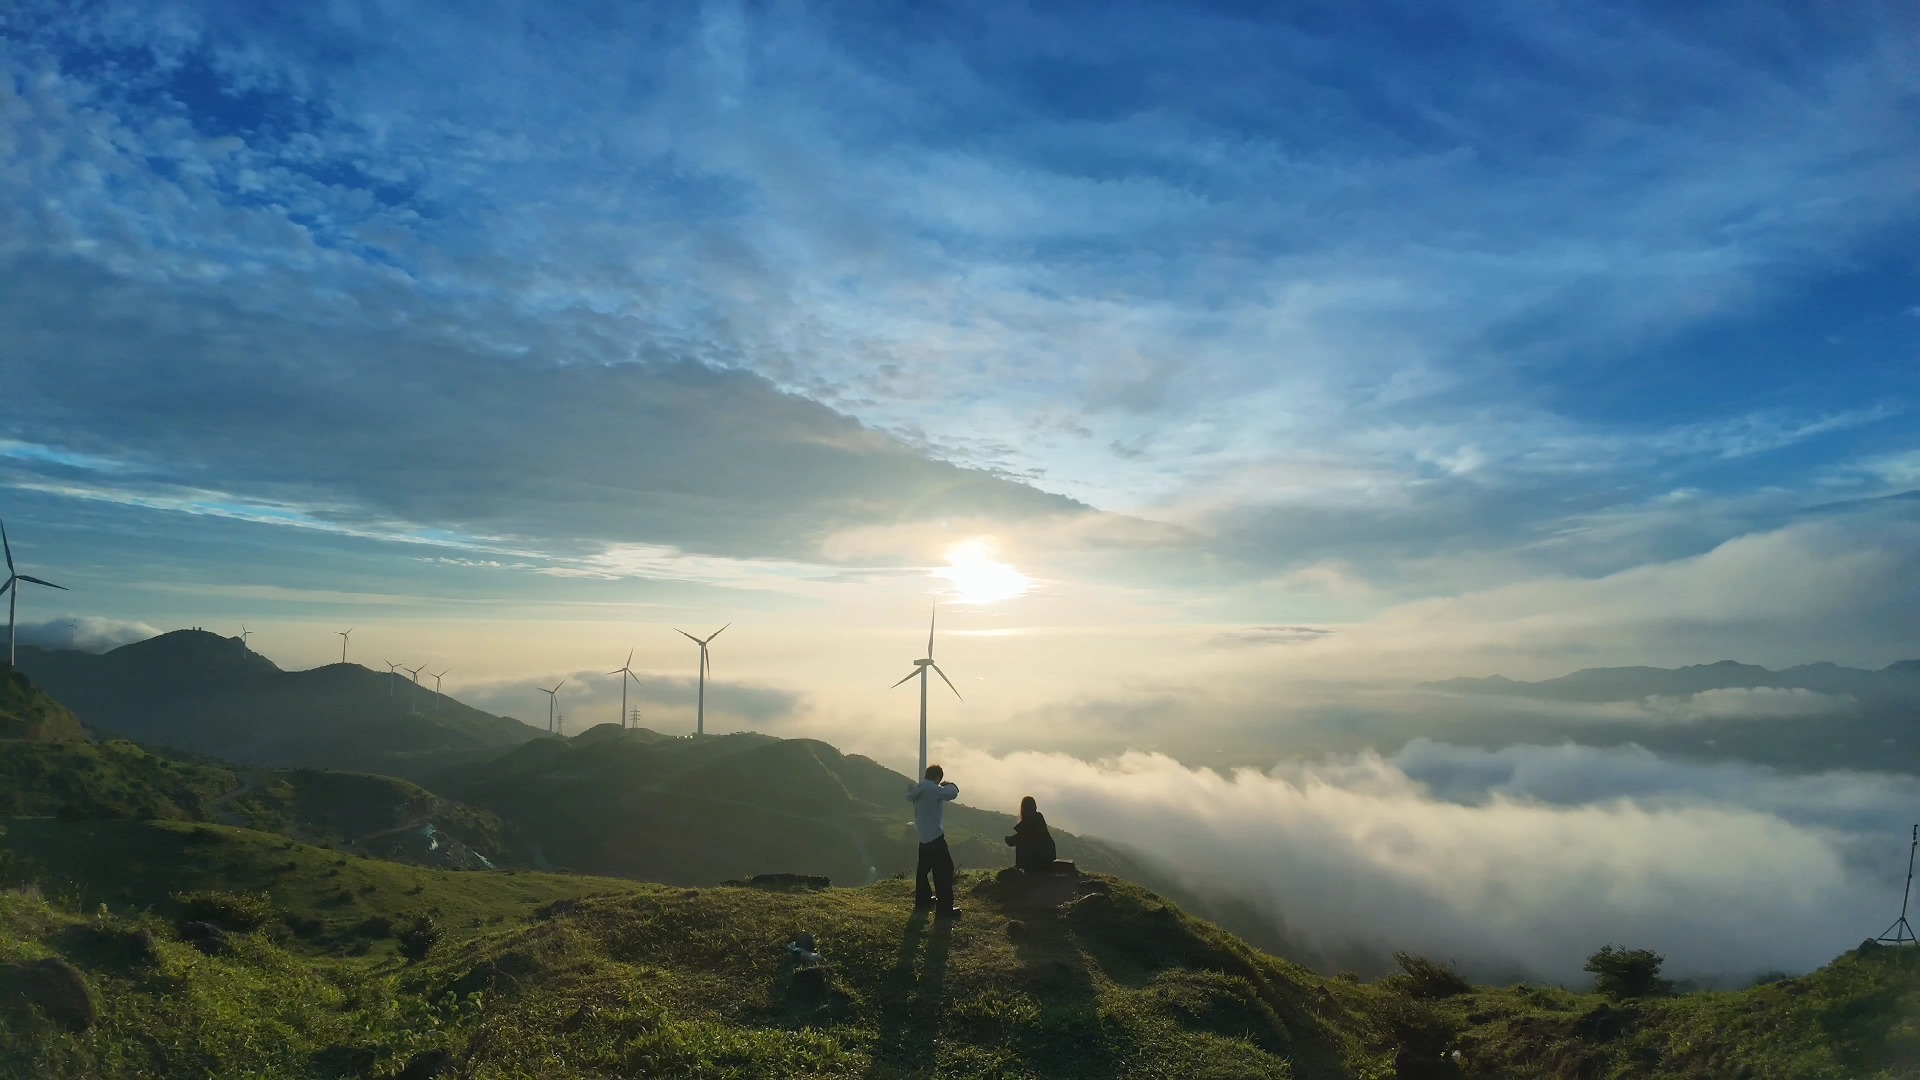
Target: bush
pixel 1420 977
pixel 419 937
pixel 231 910
pixel 1620 972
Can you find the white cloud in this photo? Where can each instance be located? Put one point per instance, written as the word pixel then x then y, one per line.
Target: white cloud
pixel 88 633
pixel 1729 871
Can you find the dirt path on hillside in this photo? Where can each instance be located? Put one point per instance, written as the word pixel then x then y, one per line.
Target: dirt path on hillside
pixel 249 780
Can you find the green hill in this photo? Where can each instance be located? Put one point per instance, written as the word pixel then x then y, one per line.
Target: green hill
pixel 699 811
pixel 27 714
pixel 377 815
pixel 205 694
pixel 549 976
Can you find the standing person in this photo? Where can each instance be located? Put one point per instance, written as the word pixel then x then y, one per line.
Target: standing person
pixel 1032 844
pixel 929 798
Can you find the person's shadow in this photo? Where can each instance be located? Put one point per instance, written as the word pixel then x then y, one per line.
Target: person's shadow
pixel 913 1005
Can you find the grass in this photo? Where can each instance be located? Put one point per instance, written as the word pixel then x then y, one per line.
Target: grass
pixel 651 980
pixel 329 902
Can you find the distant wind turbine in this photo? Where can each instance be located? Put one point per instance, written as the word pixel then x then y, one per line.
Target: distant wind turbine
pixel 14 580
pixel 413 700
pixel 625 671
pixel 436 689
pixel 344 635
pixel 392 669
pixel 244 635
pixel 921 667
pixel 553 702
pixel 706 665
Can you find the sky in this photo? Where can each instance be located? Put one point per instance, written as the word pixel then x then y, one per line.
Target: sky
pixel 1202 362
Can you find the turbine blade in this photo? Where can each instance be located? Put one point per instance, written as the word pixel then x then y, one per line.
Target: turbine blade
pixel 558 685
pixel 43 581
pixel 944 679
pixel 616 671
pixel 688 636
pixel 718 632
pixel 8 544
pixel 4 588
pixel 629 662
pixel 930 617
pixel 910 675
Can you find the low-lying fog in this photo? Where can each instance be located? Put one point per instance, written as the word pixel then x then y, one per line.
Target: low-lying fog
pixel 1512 862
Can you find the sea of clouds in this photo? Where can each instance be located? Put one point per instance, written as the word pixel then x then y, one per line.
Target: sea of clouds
pixel 1513 862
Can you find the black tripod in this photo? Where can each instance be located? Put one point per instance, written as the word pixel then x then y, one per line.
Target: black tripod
pixel 1901 933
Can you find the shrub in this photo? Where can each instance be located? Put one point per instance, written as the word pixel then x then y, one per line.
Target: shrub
pixel 419 937
pixel 1620 972
pixel 1422 978
pixel 232 910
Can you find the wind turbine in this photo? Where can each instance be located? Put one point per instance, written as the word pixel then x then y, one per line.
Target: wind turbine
pixel 244 635
pixel 392 668
pixel 413 702
pixel 14 578
pixel 921 667
pixel 706 665
pixel 625 671
pixel 436 689
pixel 553 701
pixel 344 635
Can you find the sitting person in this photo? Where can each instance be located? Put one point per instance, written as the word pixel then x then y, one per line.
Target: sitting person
pixel 1032 844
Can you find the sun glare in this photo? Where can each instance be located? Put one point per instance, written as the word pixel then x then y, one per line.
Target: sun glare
pixel 977 578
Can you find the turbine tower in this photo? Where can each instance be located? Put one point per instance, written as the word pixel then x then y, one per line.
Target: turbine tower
pixel 344 635
pixel 706 665
pixel 436 689
pixel 921 667
pixel 14 580
pixel 625 671
pixel 553 702
pixel 413 700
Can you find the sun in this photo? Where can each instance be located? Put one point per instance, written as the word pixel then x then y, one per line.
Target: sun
pixel 977 578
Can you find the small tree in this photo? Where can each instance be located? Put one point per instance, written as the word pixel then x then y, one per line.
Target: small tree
pixel 1422 978
pixel 1620 972
pixel 418 937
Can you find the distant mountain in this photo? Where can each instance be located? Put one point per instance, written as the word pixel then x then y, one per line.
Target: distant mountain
pixel 207 694
pixel 1901 679
pixel 700 810
pixel 28 714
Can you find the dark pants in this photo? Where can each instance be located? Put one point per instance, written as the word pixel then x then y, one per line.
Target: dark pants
pixel 937 861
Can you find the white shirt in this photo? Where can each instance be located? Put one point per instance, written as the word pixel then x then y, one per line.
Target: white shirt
pixel 929 799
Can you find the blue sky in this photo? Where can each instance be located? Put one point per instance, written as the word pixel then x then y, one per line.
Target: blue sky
pixel 1210 315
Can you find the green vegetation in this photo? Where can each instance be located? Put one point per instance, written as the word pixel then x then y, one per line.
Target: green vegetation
pixel 1620 972
pixel 622 979
pixel 326 900
pixel 26 713
pixel 104 779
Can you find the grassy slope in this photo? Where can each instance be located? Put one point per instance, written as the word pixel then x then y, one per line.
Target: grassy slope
pixel 655 980
pixel 327 896
pixel 26 713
